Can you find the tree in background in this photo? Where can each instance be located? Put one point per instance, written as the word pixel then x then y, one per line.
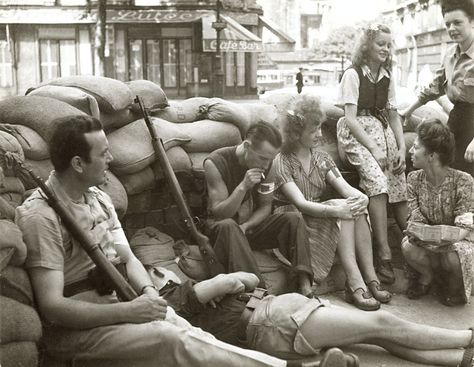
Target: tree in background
pixel 338 44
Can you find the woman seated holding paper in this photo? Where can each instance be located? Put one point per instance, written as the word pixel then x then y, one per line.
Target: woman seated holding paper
pixel 439 244
pixel 302 173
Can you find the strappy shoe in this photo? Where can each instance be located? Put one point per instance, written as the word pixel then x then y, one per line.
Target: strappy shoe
pixel 379 293
pixel 362 299
pixel 468 358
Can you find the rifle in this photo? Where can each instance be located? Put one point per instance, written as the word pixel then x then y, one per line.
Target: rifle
pixel 124 290
pixel 210 259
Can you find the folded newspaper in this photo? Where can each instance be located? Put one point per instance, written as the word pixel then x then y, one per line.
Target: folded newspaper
pixel 434 234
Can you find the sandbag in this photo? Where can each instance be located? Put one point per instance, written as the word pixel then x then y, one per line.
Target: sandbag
pixel 12 184
pixel 188 110
pixel 179 161
pixel 111 94
pixel 280 100
pixel 115 120
pixel 38 113
pixel 132 148
pixel 19 354
pixel 333 113
pixel 41 168
pixel 12 237
pixel 221 110
pixel 152 246
pixel 152 95
pixel 261 112
pixel 427 111
pixel 15 284
pixel 409 141
pixel 208 135
pixel 328 143
pixel 139 203
pixel 19 322
pixel 8 144
pixel 33 145
pixel 72 96
pixel 114 188
pixel 139 181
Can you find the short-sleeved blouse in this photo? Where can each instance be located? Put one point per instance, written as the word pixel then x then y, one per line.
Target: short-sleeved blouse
pixel 348 91
pixel 312 184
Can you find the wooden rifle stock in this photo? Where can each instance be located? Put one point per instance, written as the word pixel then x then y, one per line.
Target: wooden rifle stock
pixel 124 290
pixel 213 265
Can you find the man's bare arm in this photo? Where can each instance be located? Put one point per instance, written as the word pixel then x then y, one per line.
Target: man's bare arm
pixel 222 204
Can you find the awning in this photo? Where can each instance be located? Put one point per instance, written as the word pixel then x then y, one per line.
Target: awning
pixel 274 39
pixel 233 38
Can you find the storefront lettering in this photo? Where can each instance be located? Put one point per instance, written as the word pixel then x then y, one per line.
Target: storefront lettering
pixel 233 45
pixel 152 16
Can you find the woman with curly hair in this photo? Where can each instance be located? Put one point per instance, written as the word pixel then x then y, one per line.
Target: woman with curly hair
pixel 455 78
pixel 302 173
pixel 439 195
pixel 370 134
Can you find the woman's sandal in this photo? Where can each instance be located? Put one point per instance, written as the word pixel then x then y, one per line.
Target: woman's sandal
pixel 379 293
pixel 468 356
pixel 362 299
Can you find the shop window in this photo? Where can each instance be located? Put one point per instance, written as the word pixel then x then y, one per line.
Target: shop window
pixel 57 58
pixel 235 69
pixel 136 60
pixel 185 62
pixel 170 60
pixel 153 61
pixel 6 67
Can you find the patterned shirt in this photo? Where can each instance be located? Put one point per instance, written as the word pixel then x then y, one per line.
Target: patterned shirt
pixel 455 78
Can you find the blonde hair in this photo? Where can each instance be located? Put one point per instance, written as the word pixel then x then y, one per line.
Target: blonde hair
pixel 304 111
pixel 360 55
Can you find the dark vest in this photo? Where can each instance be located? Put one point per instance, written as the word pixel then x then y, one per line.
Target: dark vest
pixel 371 95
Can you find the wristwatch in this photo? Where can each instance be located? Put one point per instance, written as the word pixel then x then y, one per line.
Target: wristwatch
pixel 148 286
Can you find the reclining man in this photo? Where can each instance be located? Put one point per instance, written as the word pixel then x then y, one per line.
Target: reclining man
pixel 291 325
pixel 80 323
pixel 241 207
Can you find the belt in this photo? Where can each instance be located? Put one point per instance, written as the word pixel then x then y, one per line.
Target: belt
pixel 253 300
pixel 77 287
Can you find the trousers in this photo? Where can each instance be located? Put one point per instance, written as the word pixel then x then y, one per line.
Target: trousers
pixel 285 231
pixel 168 343
pixel 461 124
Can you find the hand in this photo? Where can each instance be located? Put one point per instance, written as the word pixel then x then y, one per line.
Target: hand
pixel 243 227
pixel 469 154
pixel 400 162
pixel 148 307
pixel 380 157
pixel 357 204
pixel 404 115
pixel 344 211
pixel 252 177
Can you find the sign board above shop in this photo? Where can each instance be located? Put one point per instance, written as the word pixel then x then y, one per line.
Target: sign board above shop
pixel 233 38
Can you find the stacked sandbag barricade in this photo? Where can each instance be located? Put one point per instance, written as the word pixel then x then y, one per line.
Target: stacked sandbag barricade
pixel 20 326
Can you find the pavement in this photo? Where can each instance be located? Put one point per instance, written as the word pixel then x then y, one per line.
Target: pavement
pixel 428 311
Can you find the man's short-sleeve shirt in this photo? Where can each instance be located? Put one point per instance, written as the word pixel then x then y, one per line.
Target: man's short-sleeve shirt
pixel 50 245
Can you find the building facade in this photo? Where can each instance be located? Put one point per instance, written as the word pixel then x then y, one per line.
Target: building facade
pixel 421 39
pixel 171 43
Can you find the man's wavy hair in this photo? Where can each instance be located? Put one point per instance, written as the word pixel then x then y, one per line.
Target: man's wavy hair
pixel 360 55
pixel 465 5
pixel 304 111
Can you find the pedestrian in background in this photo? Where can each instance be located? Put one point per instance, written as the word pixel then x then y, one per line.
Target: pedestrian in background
pixel 370 133
pixel 299 81
pixel 455 78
